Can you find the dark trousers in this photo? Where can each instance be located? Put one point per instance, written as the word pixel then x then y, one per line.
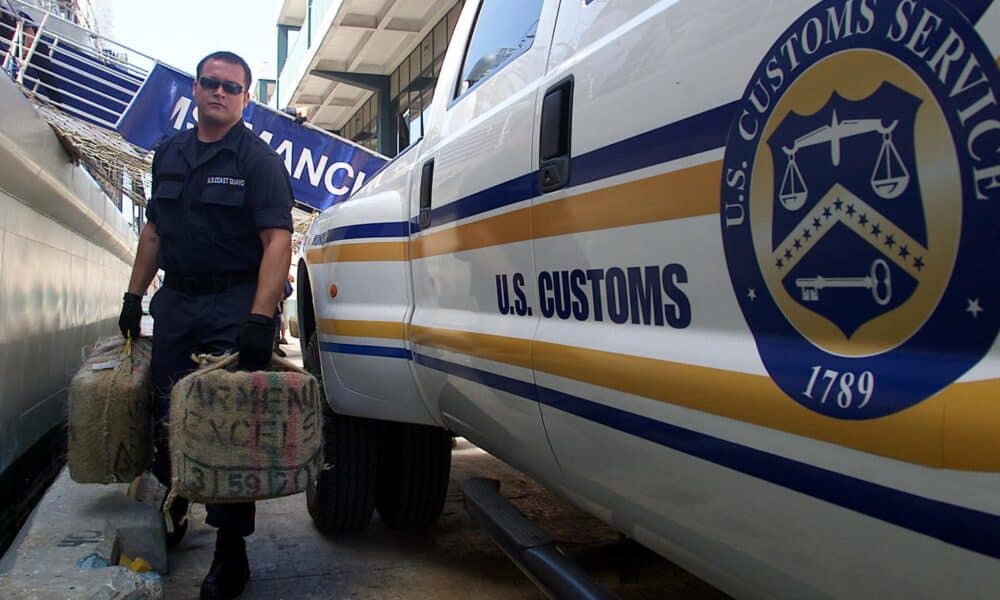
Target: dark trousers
pixel 186 324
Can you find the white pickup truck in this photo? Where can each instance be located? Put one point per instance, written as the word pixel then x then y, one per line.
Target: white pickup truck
pixel 717 271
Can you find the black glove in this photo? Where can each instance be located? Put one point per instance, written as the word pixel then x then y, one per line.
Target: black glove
pixel 255 343
pixel 131 315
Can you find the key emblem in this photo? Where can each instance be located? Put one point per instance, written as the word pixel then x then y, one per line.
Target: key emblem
pixel 879 281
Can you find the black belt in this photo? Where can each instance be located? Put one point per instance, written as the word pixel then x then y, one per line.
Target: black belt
pixel 207 284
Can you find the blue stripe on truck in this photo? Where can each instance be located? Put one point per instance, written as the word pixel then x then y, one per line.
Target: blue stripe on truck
pixel 695 134
pixel 365 350
pixel 365 230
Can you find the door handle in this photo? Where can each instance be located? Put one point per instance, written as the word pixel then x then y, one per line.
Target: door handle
pixel 426 181
pixel 554 142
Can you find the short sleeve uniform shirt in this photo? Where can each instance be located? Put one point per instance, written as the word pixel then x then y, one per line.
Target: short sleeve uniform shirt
pixel 210 206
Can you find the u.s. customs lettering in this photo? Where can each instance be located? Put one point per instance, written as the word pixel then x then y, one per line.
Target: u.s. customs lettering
pixel 647 295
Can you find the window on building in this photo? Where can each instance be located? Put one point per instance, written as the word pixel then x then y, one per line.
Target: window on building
pixel 413 82
pixel 503 31
pixel 411 89
pixel 362 126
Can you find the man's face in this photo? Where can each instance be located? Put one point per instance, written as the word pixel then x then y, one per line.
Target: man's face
pixel 216 106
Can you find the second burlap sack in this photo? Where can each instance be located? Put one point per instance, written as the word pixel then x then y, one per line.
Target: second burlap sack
pixel 238 436
pixel 110 413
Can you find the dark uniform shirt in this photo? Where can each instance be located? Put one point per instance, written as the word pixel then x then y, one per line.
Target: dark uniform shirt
pixel 209 207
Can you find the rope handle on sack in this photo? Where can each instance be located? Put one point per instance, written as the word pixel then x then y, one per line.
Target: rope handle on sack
pixel 207 362
pixel 106 413
pixel 168 503
pixel 214 361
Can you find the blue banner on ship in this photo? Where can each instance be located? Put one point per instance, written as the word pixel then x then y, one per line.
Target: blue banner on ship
pixel 324 169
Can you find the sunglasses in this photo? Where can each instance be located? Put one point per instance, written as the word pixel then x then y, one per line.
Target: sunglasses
pixel 211 84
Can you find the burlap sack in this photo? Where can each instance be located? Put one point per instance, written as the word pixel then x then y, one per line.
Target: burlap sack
pixel 110 413
pixel 237 436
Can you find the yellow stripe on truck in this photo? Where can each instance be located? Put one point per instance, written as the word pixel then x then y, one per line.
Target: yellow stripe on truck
pixel 510 227
pixel 682 194
pixel 365 251
pixel 954 429
pixel 508 350
pixel 691 192
pixel 373 329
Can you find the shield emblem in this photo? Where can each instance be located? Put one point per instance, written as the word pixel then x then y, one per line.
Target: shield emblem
pixel 849 232
pixel 854 215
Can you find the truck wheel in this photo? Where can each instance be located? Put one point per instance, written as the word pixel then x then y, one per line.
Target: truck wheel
pixel 414 465
pixel 342 498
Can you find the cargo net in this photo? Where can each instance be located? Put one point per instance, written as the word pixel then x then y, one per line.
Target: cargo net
pixel 80 82
pixel 118 166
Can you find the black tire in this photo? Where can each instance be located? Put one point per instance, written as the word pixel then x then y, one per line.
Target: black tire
pixel 414 467
pixel 342 498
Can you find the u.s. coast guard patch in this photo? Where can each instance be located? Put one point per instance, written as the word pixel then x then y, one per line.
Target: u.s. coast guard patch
pixel 861 204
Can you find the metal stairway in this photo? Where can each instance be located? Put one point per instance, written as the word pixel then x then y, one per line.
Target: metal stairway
pixel 80 82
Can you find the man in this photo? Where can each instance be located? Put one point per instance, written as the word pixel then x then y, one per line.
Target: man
pixel 282 319
pixel 219 225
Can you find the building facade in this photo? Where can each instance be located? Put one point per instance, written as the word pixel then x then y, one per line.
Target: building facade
pixel 364 70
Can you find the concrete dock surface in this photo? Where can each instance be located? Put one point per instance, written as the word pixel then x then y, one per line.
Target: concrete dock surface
pixel 290 559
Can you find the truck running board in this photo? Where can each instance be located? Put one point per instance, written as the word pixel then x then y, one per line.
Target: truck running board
pixel 533 550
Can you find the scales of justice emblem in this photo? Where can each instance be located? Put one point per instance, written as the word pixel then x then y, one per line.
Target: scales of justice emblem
pixel 848 231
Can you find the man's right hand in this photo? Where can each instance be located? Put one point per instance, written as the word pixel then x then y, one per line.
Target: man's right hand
pixel 131 316
pixel 255 342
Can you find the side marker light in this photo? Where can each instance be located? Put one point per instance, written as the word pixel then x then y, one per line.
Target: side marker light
pixel 333 290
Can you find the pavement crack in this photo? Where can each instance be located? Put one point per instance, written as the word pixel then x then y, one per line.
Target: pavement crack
pixel 338 573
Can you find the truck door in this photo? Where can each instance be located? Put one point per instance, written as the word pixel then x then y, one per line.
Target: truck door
pixel 622 250
pixel 471 253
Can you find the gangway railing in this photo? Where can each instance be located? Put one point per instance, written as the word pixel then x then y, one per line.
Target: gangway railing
pixel 81 82
pixel 81 72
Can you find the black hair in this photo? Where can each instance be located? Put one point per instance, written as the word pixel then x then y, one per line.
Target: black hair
pixel 229 57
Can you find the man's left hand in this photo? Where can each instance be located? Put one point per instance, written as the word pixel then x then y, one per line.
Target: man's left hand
pixel 255 342
pixel 131 316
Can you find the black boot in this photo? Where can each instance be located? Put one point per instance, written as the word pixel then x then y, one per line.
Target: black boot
pixel 230 569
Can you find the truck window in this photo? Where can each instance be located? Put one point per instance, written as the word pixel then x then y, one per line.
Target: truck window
pixel 503 31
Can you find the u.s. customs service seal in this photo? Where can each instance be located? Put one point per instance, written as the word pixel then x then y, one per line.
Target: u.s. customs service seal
pixel 861 204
